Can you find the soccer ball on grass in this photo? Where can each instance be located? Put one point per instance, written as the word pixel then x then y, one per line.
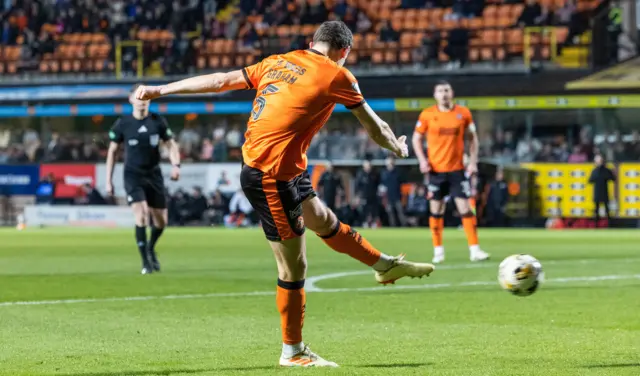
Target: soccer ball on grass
pixel 520 274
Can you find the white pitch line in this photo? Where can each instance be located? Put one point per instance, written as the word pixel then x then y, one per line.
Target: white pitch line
pixel 311 282
pixel 271 293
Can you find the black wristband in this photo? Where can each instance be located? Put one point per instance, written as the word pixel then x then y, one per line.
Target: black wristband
pixel 177 165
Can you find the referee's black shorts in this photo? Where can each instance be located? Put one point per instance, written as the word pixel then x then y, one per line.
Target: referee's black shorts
pixel 145 186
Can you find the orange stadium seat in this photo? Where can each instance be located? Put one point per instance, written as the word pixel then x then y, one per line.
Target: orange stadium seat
pixel 377 57
pixel 357 41
pixel 490 11
pixel 514 38
pixel 475 23
pixel 561 34
pixel 214 62
pixel 405 56
pixel 353 58
pixel 504 11
pixel 474 54
pixel 391 57
pixel 516 11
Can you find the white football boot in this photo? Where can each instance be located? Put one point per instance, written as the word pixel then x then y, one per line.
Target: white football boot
pixel 306 358
pixel 438 255
pixel 402 268
pixel 479 255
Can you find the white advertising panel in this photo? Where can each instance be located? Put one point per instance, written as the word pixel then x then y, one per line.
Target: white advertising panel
pixel 78 216
pixel 209 177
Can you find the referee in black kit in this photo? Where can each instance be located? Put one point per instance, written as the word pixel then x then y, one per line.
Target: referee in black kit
pixel 142 133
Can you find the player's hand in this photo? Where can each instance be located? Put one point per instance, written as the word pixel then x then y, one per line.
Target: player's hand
pixel 402 148
pixel 147 93
pixel 425 167
pixel 109 189
pixel 472 168
pixel 175 173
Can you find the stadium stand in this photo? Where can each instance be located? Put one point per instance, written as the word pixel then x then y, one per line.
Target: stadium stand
pixel 83 36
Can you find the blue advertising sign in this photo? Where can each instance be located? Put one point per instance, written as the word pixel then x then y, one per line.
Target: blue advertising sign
pixel 19 179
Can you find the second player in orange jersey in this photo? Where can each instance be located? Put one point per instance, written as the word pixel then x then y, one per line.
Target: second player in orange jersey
pixel 443 128
pixel 296 94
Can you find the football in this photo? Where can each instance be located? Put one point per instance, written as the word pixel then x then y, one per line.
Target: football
pixel 520 274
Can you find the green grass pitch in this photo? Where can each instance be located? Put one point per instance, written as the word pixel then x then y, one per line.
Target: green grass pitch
pixel 72 303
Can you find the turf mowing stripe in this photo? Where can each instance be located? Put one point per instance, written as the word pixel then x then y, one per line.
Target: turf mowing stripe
pixel 317 290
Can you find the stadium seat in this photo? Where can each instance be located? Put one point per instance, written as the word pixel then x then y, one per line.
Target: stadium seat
pixel 514 38
pixel 474 54
pixel 377 57
pixel 561 34
pixel 405 56
pixel 391 56
pixel 475 23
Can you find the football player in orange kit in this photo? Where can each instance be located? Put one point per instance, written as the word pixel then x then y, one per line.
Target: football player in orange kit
pixel 445 127
pixel 296 94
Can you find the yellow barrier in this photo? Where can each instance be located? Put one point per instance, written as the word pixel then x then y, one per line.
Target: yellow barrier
pixel 563 189
pixel 130 43
pixel 542 31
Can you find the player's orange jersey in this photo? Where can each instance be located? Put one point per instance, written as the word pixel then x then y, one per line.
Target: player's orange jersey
pixel 445 136
pixel 296 95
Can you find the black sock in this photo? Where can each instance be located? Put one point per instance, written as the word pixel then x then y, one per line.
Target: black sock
pixel 141 240
pixel 155 235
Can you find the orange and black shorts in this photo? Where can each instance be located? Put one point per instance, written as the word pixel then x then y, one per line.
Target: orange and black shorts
pixel 277 203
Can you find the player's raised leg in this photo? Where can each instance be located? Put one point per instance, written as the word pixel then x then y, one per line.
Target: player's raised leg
pixel 342 238
pixel 436 223
pixel 159 219
pixel 470 230
pixel 141 216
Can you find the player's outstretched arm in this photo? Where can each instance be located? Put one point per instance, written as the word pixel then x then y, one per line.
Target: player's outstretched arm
pixel 111 162
pixel 210 83
pixel 380 132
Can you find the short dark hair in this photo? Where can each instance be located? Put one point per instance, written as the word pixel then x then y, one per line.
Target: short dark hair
pixel 335 33
pixel 440 83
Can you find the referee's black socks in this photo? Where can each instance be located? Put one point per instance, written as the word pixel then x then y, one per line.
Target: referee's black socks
pixel 155 235
pixel 141 240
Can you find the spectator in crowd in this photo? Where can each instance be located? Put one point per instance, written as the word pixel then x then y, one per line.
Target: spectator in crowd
pixel 234 137
pixel 565 13
pixel 497 197
pixel 577 155
pixel 430 46
pixel 91 196
pixel 351 213
pixel 192 209
pixel 314 13
pixel 546 154
pixel 216 208
pixel 457 47
pixel 240 211
pixel 363 24
pixel 366 187
pixel 392 182
pixel 527 149
pixel 206 151
pixel 417 210
pixel 600 177
pixel 330 187
pixel 633 148
pixel 46 190
pixel 531 14
pixel 387 32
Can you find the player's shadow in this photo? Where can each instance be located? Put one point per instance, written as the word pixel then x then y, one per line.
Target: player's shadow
pixel 395 365
pixel 165 372
pixel 613 365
